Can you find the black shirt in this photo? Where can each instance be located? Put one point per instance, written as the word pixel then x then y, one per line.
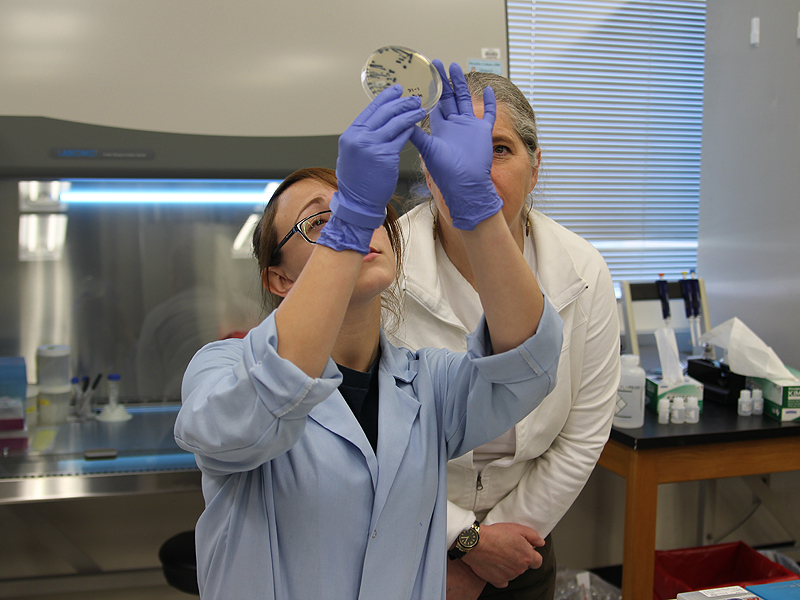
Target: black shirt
pixel 360 391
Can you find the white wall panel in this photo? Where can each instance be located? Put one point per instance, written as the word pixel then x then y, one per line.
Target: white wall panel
pixel 245 67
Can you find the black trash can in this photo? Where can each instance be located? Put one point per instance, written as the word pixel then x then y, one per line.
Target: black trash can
pixel 179 561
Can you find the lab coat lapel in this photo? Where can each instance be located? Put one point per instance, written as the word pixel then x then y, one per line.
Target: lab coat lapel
pixel 335 415
pixel 396 415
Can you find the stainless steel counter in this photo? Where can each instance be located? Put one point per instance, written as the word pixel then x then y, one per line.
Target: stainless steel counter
pixel 137 456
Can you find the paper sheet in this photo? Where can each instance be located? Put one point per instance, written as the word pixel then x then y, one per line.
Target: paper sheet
pixel 747 353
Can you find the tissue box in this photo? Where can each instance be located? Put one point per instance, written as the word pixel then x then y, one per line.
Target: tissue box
pixel 783 392
pixel 781 396
pixel 655 389
pixel 779 413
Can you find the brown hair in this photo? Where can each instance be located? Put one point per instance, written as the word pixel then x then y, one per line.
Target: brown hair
pixel 265 237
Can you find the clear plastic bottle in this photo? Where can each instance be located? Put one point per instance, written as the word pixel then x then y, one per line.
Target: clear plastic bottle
pixel 745 404
pixel 692 412
pixel 663 411
pixel 113 389
pixel 678 413
pixel 758 401
pixel 630 394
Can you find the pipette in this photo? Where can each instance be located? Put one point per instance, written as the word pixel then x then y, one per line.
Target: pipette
pixel 663 294
pixel 688 304
pixel 695 291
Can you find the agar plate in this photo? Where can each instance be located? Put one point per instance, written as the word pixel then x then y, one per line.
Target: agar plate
pixel 395 64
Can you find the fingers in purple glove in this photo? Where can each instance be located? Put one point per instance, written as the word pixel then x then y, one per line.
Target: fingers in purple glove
pixel 394 117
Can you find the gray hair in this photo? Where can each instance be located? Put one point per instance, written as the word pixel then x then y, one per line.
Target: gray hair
pixel 509 95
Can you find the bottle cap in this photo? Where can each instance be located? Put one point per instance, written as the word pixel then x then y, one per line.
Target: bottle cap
pixel 677 402
pixel 629 360
pixel 744 395
pixel 113 377
pixel 663 404
pixel 692 401
pixel 757 394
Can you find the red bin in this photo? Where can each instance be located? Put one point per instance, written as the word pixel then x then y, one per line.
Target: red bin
pixel 735 563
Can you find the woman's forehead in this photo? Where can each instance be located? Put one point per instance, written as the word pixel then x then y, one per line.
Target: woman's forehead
pixel 304 197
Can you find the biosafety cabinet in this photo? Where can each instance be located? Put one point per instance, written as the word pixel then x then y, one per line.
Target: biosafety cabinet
pixel 137 140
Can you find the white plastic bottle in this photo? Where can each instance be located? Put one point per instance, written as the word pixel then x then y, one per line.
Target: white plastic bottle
pixel 758 401
pixel 745 404
pixel 692 412
pixel 678 413
pixel 630 394
pixel 663 411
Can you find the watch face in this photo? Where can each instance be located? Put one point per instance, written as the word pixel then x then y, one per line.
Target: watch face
pixel 468 538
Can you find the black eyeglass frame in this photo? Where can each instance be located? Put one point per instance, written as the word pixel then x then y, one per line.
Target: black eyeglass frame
pixel 292 231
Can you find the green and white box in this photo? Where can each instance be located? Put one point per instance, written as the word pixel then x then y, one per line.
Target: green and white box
pixel 655 389
pixel 781 396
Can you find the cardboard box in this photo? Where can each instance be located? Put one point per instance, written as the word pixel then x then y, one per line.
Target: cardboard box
pixel 781 396
pixel 13 386
pixel 783 392
pixel 777 590
pixel 733 592
pixel 780 413
pixel 655 389
pixel 727 593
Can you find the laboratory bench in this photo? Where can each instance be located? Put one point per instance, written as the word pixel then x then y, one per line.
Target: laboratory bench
pixel 93 459
pixel 722 444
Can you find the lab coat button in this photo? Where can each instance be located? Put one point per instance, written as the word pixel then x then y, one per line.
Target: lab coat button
pixel 374 534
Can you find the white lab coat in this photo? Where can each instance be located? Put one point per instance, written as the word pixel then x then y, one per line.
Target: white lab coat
pixel 557 446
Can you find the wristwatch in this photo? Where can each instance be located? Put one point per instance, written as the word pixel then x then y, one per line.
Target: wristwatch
pixel 465 541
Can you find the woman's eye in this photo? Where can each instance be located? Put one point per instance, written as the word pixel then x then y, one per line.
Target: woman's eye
pixel 316 223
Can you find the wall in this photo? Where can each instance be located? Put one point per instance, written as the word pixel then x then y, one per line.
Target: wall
pixel 750 175
pixel 749 251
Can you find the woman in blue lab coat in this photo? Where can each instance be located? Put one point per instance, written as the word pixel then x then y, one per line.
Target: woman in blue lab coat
pixel 322 446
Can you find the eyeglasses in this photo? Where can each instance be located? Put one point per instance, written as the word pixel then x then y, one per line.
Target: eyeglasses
pixel 309 228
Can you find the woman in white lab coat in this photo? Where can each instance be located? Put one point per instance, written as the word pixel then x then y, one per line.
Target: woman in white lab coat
pixel 322 446
pixel 525 480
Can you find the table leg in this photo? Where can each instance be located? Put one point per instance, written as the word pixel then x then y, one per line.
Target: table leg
pixel 641 505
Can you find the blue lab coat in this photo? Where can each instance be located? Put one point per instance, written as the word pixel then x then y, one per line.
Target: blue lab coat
pixel 298 506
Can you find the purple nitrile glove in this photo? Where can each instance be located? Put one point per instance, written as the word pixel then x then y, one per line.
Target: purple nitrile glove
pixel 367 169
pixel 458 152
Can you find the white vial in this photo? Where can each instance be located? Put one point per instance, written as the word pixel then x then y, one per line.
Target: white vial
pixel 629 411
pixel 692 410
pixel 113 389
pixel 758 401
pixel 663 411
pixel 745 404
pixel 678 413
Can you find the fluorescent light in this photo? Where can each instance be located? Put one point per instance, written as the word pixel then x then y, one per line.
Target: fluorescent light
pixel 168 191
pixel 42 236
pixel 243 244
pixel 155 197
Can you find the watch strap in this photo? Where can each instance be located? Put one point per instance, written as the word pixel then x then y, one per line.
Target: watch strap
pixel 458 551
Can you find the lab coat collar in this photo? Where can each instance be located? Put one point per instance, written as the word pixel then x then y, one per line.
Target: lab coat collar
pixel 557 275
pixel 396 414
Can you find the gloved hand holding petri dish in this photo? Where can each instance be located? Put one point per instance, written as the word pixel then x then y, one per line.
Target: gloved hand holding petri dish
pixel 392 65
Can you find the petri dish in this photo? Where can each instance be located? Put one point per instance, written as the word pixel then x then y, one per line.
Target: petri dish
pixel 396 64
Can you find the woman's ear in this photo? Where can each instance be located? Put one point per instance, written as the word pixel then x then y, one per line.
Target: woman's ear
pixel 536 165
pixel 274 280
